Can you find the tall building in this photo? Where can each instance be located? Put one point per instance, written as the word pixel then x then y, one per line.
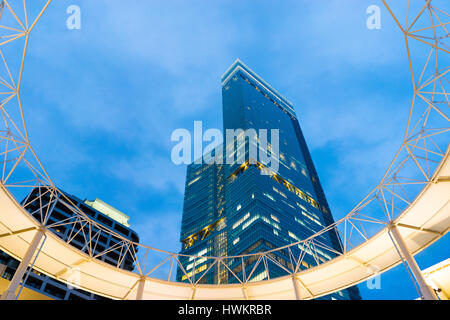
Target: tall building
pixel 59 211
pixel 234 209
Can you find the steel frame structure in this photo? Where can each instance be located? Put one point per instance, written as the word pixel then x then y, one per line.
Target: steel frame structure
pixel 405 212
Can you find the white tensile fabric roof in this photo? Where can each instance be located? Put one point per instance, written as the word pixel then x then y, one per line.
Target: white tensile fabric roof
pixel 430 211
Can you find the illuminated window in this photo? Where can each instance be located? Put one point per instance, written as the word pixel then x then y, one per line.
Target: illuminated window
pixel 290 205
pixel 249 222
pixel 306 214
pixel 293 236
pixel 266 220
pixel 200 253
pixel 238 223
pixel 302 207
pixel 300 221
pixel 279 192
pixel 200 269
pixel 197 263
pixel 274 218
pixel 269 196
pixel 306 249
pixel 259 277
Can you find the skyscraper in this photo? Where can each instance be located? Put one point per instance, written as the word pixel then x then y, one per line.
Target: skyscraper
pixel 234 209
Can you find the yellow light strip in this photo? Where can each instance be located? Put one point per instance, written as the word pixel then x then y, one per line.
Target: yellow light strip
pixel 279 179
pixel 202 268
pixel 200 235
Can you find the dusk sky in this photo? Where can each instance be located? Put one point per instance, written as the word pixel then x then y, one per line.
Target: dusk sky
pixel 101 102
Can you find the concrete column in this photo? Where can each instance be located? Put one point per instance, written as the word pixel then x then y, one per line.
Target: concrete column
pixel 140 289
pixel 296 288
pixel 10 293
pixel 244 293
pixel 193 293
pixel 426 291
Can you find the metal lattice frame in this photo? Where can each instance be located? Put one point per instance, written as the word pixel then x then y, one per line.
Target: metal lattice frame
pixel 424 147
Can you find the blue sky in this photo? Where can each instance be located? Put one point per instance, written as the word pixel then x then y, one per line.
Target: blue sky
pixel 102 101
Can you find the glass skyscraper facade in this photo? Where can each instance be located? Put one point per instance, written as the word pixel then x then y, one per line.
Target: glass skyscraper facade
pixel 234 209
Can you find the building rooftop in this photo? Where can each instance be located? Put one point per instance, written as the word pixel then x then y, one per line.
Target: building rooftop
pixel 238 65
pixel 438 277
pixel 109 211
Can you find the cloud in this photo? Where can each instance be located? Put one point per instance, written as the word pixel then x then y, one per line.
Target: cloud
pixel 150 170
pixel 159 230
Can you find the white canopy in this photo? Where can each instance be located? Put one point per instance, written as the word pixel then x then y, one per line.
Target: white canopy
pixel 422 223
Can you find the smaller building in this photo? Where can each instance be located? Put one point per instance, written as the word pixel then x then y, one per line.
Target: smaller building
pixel 60 210
pixel 438 277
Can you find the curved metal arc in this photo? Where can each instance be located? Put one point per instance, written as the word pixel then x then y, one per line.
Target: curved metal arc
pixel 386 181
